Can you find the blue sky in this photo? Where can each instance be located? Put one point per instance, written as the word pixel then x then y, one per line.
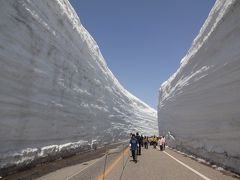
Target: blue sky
pixel 143 41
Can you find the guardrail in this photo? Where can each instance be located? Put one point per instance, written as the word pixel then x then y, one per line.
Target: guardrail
pixel 115 159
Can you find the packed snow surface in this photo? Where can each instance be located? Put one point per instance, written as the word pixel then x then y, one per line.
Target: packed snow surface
pixel 199 104
pixel 56 90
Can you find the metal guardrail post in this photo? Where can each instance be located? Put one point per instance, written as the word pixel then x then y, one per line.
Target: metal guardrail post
pixel 105 162
pixel 123 155
pixel 124 161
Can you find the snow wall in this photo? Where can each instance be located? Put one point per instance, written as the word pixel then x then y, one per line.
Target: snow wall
pixel 56 91
pixel 199 104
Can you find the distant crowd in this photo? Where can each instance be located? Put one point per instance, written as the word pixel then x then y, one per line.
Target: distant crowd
pixel 139 141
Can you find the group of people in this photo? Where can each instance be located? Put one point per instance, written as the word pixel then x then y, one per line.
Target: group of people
pixel 137 142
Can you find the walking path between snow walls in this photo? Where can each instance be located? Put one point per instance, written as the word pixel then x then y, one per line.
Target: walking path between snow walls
pixel 199 104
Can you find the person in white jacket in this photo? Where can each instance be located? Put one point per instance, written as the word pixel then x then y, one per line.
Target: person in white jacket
pixel 160 143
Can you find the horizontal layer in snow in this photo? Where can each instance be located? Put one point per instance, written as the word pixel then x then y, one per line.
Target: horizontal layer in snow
pixel 199 104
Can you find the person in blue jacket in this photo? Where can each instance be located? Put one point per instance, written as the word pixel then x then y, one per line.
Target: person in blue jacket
pixel 133 143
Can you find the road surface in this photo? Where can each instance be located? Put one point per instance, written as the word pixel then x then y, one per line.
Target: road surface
pixel 152 165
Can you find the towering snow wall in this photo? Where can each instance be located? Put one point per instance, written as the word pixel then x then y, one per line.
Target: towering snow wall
pixel 55 86
pixel 199 104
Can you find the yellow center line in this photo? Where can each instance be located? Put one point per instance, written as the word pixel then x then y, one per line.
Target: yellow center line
pixel 112 165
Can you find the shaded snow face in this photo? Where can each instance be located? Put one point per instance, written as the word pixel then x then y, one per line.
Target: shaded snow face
pixel 199 104
pixel 55 85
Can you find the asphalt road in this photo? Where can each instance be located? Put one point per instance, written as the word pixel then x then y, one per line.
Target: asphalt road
pixel 152 165
pixel 90 170
pixel 169 165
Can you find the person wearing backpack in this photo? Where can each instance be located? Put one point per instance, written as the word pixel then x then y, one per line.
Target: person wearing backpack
pixel 139 139
pixel 133 143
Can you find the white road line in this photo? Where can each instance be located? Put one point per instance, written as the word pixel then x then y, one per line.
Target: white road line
pixel 193 170
pixel 85 168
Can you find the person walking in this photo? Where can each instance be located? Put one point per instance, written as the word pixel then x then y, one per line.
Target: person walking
pixel 141 140
pixel 154 140
pixel 145 142
pixel 133 143
pixel 164 142
pixel 139 143
pixel 160 143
